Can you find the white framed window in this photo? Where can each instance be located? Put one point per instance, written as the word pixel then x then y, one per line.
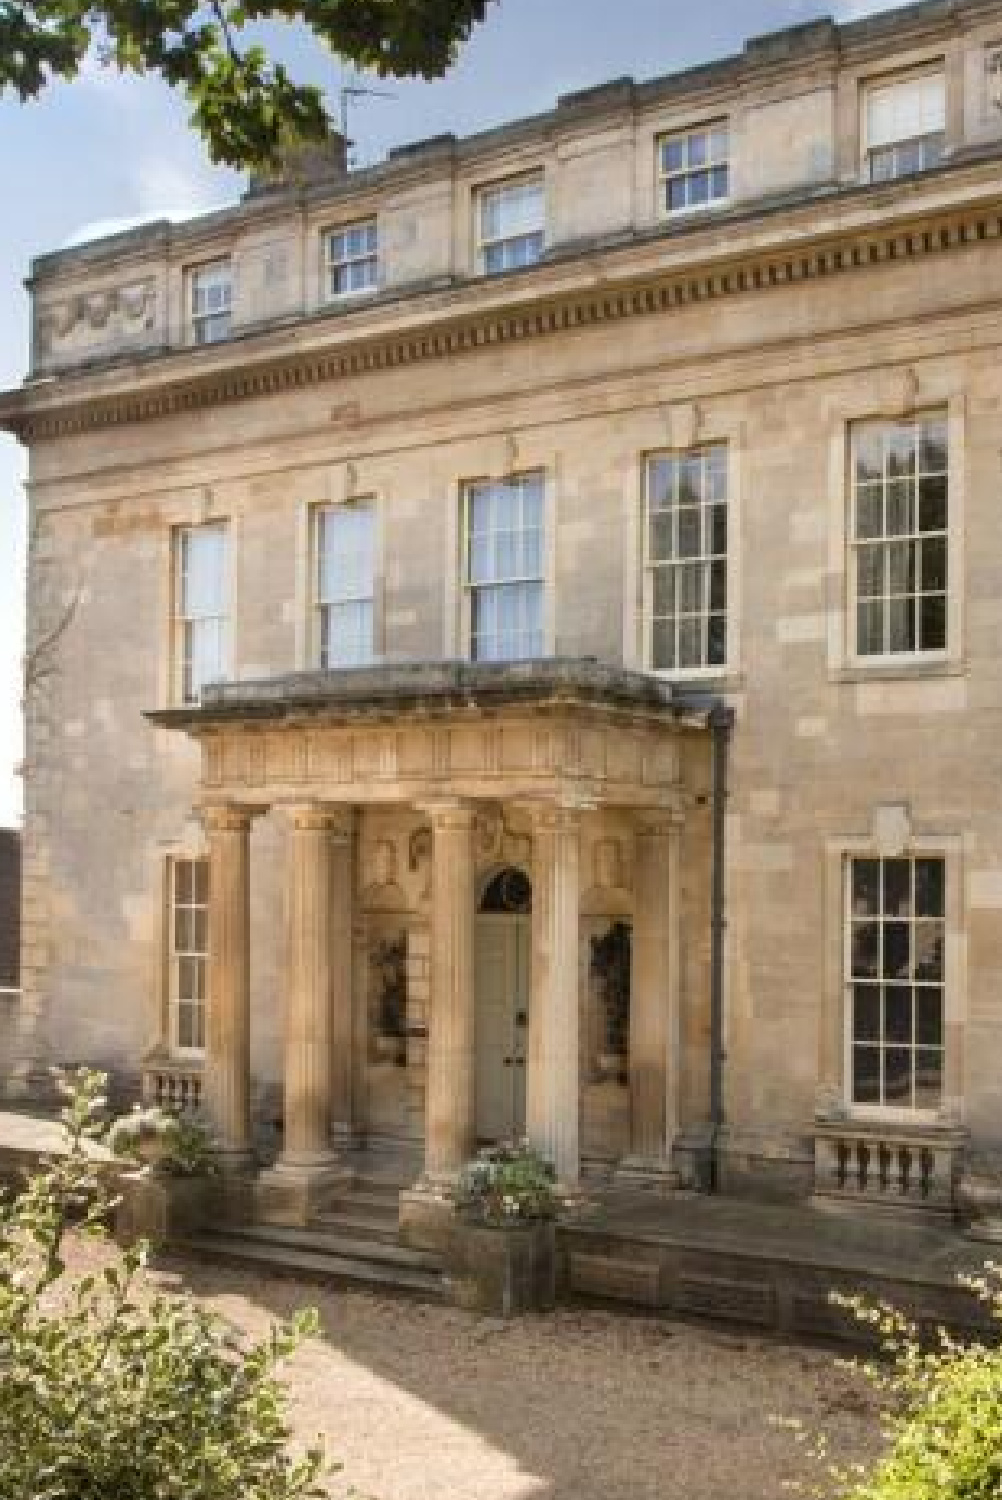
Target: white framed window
pixel 344 549
pixel 201 611
pixel 510 224
pixel 895 981
pixel 503 571
pixel 904 124
pixel 685 559
pixel 188 954
pixel 210 290
pixel 352 259
pixel 899 524
pixel 694 168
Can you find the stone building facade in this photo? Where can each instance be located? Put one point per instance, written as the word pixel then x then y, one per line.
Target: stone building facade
pixel 533 658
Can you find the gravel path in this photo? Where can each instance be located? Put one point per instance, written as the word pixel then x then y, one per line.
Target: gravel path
pixel 426 1403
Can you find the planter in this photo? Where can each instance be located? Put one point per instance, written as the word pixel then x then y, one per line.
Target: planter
pixel 503 1271
pixel 161 1208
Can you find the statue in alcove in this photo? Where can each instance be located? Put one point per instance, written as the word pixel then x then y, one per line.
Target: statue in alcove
pixel 388 963
pixel 610 978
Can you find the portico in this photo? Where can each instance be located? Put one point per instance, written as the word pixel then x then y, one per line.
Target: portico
pixel 575 775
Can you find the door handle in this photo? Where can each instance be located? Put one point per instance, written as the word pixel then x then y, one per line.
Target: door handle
pixel 508 1062
pixel 520 1062
pixel 521 1018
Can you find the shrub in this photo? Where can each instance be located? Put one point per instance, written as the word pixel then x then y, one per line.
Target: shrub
pixel 175 1145
pixel 111 1391
pixel 508 1184
pixel 942 1409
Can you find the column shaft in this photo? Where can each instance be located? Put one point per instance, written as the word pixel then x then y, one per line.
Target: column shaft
pixel 553 1088
pixel 654 1000
pixel 449 1114
pixel 227 1084
pixel 316 840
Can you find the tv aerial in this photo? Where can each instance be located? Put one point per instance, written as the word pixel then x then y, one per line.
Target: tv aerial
pixel 352 89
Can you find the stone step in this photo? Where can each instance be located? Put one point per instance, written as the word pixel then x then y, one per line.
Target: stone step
pixel 379 1197
pixel 335 1265
pixel 343 1220
pixel 320 1238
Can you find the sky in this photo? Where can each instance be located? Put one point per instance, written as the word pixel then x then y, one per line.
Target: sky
pixel 106 148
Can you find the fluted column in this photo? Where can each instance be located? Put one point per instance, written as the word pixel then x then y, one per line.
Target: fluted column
pixel 449 1114
pixel 654 993
pixel 553 1088
pixel 317 993
pixel 312 971
pixel 227 1063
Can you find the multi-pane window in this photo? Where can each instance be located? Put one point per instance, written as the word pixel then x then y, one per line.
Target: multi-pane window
pixel 694 168
pixel 686 559
pixel 900 510
pixel 211 289
pixel 905 126
pixel 895 980
pixel 504 567
pixel 189 952
pixel 353 259
pixel 201 624
pixel 510 224
pixel 345 561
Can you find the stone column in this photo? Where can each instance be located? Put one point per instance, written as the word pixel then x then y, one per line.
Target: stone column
pixel 553 1085
pixel 449 1105
pixel 654 999
pixel 317 994
pixel 227 1062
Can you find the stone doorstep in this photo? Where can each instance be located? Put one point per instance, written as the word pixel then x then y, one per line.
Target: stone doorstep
pixel 350 1263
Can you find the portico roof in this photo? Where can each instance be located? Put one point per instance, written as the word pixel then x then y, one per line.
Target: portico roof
pixel 564 728
pixel 431 688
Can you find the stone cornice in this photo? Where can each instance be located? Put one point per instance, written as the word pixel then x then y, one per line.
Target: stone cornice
pixel 600 285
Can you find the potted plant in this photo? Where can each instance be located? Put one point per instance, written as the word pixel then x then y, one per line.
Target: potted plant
pixel 168 1191
pixel 504 1260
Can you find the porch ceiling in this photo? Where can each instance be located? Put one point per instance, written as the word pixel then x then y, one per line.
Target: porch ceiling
pixel 560 729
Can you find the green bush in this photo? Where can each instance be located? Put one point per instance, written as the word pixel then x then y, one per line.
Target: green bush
pixel 111 1391
pixel 941 1406
pixel 508 1184
pixel 173 1145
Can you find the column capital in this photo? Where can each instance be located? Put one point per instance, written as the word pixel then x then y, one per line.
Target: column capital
pixel 561 815
pixel 228 817
pixel 658 822
pixel 319 817
pixel 448 812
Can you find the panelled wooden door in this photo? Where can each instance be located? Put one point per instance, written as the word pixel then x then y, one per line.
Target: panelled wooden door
pixel 502 1024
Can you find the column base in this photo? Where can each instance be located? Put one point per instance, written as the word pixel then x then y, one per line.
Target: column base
pixel 428 1213
pixel 647 1174
pixel 293 1193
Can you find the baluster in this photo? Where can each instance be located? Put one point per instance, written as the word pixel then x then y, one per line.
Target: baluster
pixel 863 1164
pixel 884 1157
pixel 842 1154
pixel 904 1170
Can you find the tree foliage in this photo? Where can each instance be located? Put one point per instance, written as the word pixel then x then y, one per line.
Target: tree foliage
pixel 244 104
pixel 109 1391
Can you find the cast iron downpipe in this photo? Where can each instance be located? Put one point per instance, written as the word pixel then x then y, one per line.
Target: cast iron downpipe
pixel 721 723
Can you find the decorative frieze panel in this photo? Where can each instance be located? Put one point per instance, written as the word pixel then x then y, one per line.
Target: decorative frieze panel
pixel 113 315
pixel 629 763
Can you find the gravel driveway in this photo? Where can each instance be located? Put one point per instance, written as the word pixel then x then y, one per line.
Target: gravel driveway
pixel 422 1402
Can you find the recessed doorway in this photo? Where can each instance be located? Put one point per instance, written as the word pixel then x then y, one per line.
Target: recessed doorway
pixel 503 942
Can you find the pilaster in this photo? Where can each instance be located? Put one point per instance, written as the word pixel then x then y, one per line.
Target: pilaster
pixel 655 1038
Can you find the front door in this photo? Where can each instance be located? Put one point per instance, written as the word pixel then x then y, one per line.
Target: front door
pixel 502 1024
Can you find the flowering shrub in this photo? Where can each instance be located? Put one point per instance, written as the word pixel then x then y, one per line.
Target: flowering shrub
pixel 174 1145
pixel 508 1184
pixel 942 1410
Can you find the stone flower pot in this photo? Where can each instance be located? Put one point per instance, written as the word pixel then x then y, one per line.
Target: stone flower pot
pixel 156 1206
pixel 504 1270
